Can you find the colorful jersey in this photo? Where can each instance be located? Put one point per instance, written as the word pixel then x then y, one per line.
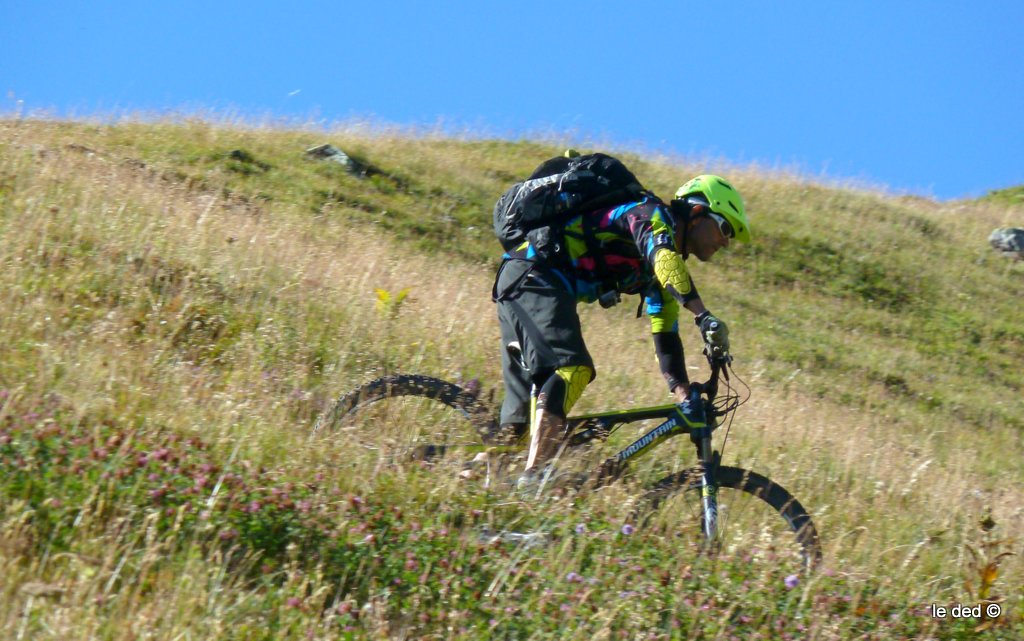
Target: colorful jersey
pixel 629 249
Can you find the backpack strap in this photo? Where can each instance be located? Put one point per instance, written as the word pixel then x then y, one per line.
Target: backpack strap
pixel 596 249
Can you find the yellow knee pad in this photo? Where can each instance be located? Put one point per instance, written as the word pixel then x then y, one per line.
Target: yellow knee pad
pixel 576 378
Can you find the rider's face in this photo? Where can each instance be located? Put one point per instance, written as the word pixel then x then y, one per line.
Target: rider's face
pixel 705 238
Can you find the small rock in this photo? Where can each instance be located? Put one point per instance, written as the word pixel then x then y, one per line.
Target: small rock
pixel 333 154
pixel 1009 241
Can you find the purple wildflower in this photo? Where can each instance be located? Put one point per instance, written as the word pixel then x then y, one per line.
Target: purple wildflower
pixel 581 529
pixel 792 581
pixel 628 529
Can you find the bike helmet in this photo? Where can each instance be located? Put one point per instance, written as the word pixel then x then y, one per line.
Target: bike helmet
pixel 722 198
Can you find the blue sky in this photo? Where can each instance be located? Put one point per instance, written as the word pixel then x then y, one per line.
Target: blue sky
pixel 916 97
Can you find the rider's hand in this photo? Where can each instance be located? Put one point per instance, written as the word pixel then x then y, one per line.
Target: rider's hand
pixel 681 392
pixel 714 332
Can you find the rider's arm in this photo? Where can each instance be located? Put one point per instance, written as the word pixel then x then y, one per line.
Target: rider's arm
pixel 664 312
pixel 696 306
pixel 670 268
pixel 655 238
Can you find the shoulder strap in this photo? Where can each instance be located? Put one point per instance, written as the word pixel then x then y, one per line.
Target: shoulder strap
pixel 596 249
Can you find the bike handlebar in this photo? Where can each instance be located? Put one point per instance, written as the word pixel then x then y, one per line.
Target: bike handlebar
pixel 710 387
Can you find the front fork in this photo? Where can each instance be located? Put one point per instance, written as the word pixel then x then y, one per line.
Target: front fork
pixel 709 460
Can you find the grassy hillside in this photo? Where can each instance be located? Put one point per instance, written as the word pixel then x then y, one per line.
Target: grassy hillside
pixel 182 299
pixel 1008 196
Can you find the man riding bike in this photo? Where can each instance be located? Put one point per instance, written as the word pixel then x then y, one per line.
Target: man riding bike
pixel 634 248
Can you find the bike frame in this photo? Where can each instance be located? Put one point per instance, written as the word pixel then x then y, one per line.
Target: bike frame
pixel 588 427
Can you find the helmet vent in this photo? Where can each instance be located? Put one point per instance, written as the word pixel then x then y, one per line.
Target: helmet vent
pixel 734 207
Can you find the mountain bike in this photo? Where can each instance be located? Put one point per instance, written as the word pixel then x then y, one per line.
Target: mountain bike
pixel 731 508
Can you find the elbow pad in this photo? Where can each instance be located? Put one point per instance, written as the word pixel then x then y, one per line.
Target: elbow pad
pixel 670 270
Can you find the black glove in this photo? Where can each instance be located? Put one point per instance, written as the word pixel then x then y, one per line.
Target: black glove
pixel 715 334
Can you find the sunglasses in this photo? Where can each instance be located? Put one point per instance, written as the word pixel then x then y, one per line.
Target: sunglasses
pixel 723 225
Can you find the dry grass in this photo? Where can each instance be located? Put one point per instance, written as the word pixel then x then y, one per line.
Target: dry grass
pixel 149 301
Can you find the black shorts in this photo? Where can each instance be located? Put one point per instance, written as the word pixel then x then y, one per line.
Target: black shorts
pixel 536 310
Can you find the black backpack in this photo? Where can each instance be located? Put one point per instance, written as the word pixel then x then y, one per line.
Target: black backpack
pixel 557 190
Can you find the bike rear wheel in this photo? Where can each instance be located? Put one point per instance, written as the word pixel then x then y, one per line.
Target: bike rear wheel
pixel 448 394
pixel 406 418
pixel 759 521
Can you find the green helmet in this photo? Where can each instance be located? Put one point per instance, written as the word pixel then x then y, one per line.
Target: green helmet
pixel 723 199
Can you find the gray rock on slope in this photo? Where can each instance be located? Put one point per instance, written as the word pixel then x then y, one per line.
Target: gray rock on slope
pixel 1009 241
pixel 333 154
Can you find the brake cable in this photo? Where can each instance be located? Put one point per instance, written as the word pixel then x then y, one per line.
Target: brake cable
pixel 729 404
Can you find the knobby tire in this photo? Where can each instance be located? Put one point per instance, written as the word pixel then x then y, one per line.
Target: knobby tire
pixel 397 385
pixel 797 520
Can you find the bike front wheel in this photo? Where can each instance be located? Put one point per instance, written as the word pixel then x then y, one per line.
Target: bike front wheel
pixel 757 520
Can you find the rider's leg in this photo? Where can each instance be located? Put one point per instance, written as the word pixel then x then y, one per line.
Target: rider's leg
pixel 538 311
pixel 557 396
pixel 515 408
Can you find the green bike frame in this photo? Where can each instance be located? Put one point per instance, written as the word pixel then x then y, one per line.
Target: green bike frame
pixel 593 426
